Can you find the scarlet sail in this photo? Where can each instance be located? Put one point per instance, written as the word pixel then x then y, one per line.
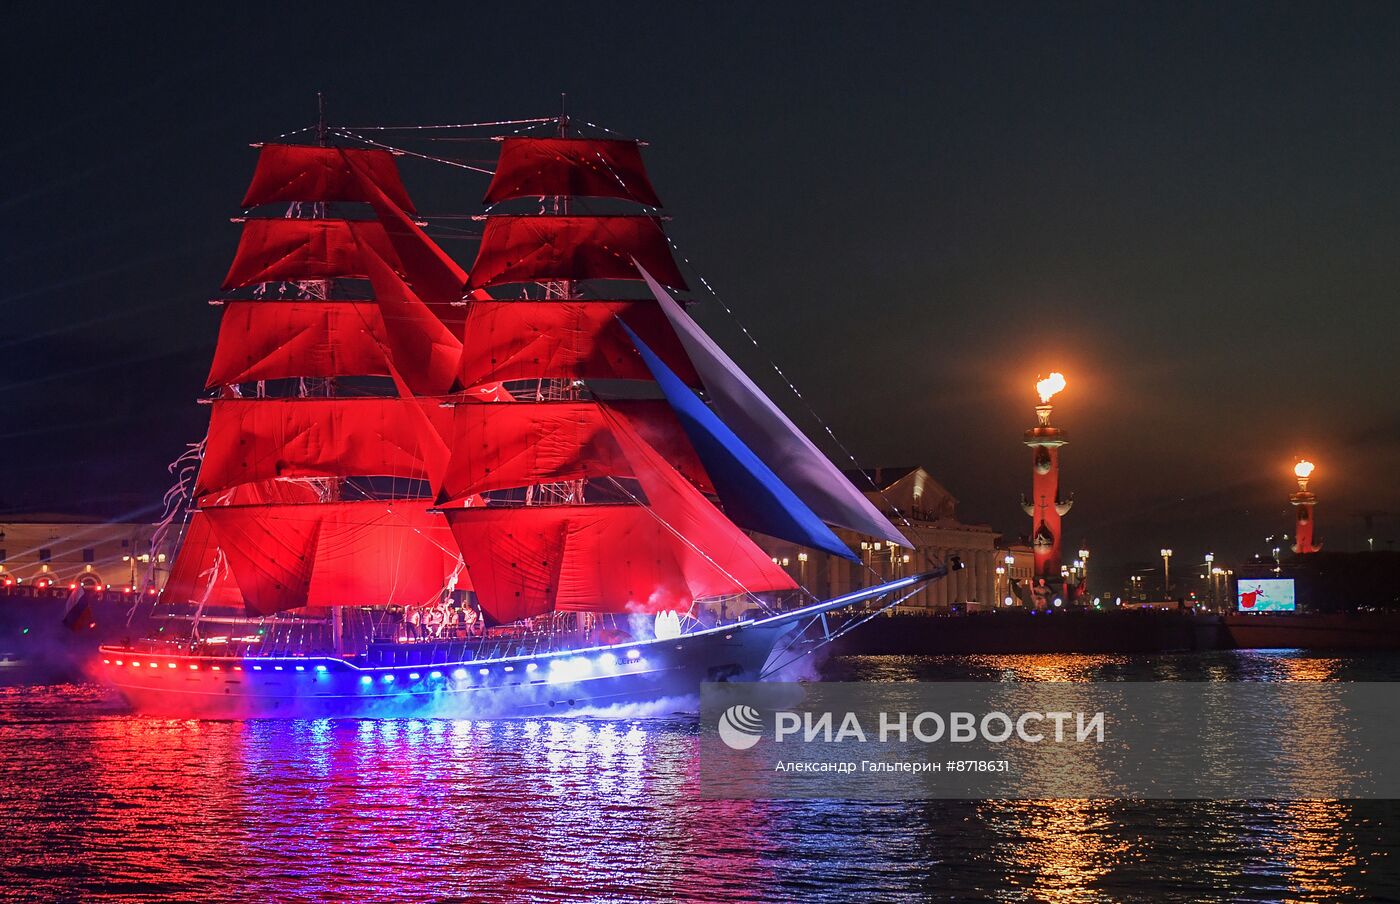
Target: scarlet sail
pixel 582 167
pixel 199 573
pixel 275 250
pixel 567 340
pixel 425 352
pixel 270 340
pixel 335 554
pixel 295 172
pixel 717 557
pixel 601 558
pixel 498 446
pixel 434 275
pixel 259 439
pixel 532 249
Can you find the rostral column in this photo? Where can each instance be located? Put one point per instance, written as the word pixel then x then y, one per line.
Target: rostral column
pixel 1045 507
pixel 1303 502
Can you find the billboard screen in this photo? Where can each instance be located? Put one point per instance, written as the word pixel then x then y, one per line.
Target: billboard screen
pixel 1266 595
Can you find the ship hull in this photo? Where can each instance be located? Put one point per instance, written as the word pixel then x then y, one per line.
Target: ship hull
pixel 640 678
pixel 651 678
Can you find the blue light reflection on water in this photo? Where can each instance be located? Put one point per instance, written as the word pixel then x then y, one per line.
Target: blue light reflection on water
pixel 95 804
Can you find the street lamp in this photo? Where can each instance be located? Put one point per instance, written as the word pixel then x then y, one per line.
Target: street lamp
pixel 1210 566
pixel 1167 570
pixel 802 567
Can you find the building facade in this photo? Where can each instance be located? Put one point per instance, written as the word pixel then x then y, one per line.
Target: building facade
pixel 47 550
pixel 927 514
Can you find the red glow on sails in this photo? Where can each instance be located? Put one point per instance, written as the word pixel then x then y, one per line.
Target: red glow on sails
pixel 502 446
pixel 435 277
pixel 579 340
pixel 272 250
pixel 259 439
pixel 425 352
pixel 532 249
pixel 198 573
pixel 270 340
pixel 335 554
pixel 599 558
pixel 529 560
pixel 196 570
pixel 717 557
pixel 296 172
pixel 581 167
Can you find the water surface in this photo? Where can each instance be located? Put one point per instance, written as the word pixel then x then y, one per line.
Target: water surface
pixel 99 805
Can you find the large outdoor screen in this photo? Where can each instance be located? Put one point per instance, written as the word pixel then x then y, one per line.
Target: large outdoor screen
pixel 1266 595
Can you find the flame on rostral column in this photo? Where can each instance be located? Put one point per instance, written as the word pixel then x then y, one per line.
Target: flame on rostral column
pixel 1049 386
pixel 1303 469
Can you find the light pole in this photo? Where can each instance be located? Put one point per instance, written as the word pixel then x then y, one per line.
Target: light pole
pixel 1167 571
pixel 802 567
pixel 1210 565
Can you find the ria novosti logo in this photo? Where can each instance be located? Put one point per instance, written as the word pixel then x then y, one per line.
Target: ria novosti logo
pixel 740 727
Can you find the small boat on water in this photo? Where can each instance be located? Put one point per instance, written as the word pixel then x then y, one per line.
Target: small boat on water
pixel 524 487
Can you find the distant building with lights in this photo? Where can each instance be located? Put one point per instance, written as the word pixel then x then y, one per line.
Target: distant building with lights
pixel 937 534
pixel 54 550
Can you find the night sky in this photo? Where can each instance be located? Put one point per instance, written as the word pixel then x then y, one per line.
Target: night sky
pixel 1191 211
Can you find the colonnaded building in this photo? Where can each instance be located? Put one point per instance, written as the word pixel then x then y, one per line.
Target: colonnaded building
pixel 55 550
pixel 938 536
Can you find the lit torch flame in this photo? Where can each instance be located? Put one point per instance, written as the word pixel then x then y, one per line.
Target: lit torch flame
pixel 1049 386
pixel 1304 469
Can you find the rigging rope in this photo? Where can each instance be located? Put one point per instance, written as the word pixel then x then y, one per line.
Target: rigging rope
pixel 465 125
pixel 397 150
pixel 904 519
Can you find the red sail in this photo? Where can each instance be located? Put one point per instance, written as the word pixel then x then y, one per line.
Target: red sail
pixel 426 354
pixel 531 560
pixel 258 439
pixel 335 554
pixel 435 277
pixel 290 249
pixel 271 340
pixel 570 340
pixel 717 557
pixel 496 446
pixel 535 249
pixel 600 558
pixel 296 172
pixel 197 574
pixel 582 167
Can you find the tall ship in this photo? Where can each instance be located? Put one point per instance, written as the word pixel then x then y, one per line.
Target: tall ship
pixel 526 487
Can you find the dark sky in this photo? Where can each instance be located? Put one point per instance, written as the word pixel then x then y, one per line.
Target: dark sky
pixel 1191 210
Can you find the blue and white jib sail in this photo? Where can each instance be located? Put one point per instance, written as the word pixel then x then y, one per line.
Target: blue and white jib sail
pixel 754 429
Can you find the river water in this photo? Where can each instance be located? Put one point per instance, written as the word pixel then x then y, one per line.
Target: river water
pixel 98 805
